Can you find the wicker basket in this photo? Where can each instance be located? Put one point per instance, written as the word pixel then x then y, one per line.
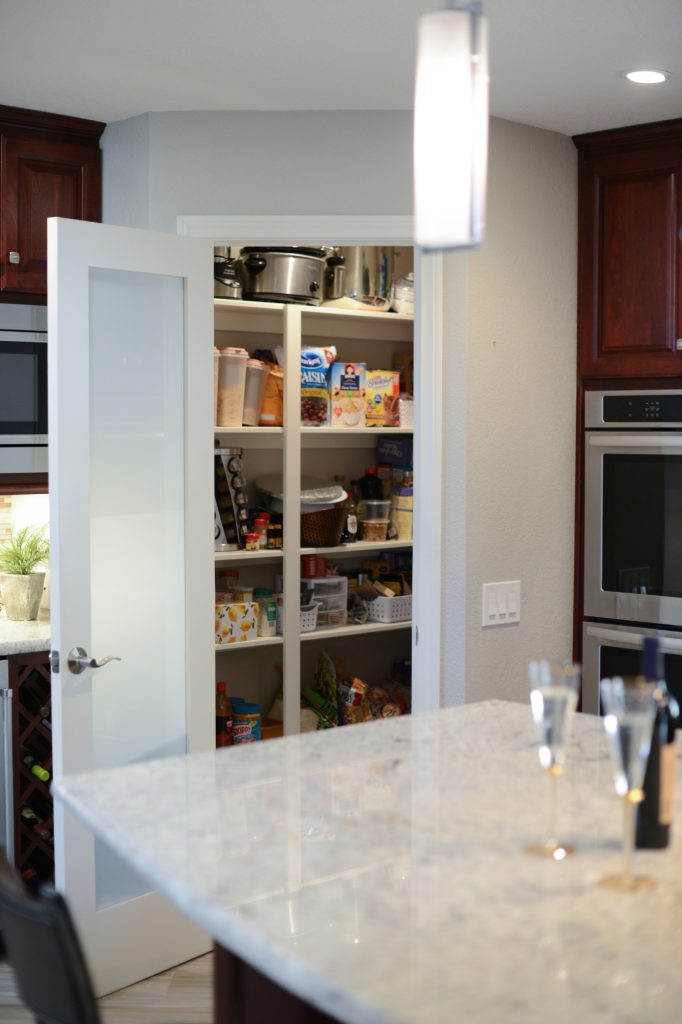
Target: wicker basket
pixel 322 529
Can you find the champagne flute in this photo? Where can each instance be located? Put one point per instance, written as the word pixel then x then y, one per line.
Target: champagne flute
pixel 553 697
pixel 630 709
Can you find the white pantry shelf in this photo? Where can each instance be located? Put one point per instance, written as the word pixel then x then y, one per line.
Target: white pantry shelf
pixel 248 645
pixel 264 555
pixel 325 632
pixel 361 547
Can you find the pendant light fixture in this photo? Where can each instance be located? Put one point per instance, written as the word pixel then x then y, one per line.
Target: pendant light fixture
pixel 451 128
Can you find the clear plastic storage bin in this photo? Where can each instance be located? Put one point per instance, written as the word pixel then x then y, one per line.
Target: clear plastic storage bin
pixel 331 592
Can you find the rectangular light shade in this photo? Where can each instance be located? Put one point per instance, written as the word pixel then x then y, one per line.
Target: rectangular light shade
pixel 451 129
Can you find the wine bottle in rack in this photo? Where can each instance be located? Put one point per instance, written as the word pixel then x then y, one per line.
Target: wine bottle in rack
pixel 655 812
pixel 34 765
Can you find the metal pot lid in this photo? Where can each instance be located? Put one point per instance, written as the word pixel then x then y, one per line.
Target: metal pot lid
pixel 285 250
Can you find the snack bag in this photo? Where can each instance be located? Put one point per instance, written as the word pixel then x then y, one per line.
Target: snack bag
pixel 315 364
pixel 382 388
pixel 348 394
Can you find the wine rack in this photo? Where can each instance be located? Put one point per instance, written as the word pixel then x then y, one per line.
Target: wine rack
pixel 29 679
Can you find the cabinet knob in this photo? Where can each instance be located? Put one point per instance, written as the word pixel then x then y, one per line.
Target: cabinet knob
pixel 14 257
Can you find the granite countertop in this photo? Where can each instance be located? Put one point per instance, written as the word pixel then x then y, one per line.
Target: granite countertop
pixel 23 637
pixel 378 871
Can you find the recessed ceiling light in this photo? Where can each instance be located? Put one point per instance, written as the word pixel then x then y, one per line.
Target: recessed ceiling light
pixel 646 77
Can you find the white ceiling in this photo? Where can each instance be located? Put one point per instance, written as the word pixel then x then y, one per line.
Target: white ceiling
pixel 556 64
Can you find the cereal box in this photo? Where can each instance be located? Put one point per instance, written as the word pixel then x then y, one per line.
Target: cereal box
pixel 348 394
pixel 382 388
pixel 315 365
pixel 236 622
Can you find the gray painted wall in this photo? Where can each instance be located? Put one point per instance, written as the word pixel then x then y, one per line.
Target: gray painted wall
pixel 294 162
pixel 510 319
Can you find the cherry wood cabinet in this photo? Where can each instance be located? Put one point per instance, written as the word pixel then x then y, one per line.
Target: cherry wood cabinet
pixel 630 252
pixel 50 166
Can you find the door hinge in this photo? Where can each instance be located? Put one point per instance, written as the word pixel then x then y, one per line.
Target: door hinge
pixel 54 661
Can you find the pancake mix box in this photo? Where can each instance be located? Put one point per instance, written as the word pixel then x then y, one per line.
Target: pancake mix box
pixel 382 388
pixel 348 394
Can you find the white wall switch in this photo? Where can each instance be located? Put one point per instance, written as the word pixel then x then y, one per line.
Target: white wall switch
pixel 501 603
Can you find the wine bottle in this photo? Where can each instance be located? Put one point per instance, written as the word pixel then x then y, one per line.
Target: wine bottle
pixel 28 815
pixel 655 812
pixel 32 762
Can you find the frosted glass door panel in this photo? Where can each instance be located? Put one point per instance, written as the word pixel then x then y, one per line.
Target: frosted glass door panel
pixel 136 546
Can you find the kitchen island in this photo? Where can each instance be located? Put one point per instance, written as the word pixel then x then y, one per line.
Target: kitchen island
pixel 376 874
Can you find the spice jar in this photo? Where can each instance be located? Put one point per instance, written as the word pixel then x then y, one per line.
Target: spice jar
pixel 260 526
pixel 267 611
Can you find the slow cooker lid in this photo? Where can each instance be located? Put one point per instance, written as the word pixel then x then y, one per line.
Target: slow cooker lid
pixel 288 250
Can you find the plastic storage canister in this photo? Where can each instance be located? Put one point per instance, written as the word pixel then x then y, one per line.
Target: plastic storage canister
pixel 257 374
pixel 231 381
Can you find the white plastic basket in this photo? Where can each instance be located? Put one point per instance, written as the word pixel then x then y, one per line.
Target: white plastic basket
pixel 308 618
pixel 390 609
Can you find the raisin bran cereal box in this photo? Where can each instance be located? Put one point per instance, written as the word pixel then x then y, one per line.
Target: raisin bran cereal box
pixel 382 388
pixel 315 365
pixel 348 394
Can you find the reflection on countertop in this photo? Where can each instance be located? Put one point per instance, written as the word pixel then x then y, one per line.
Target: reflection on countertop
pixel 26 636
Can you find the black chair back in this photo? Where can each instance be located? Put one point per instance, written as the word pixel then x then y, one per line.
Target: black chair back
pixel 44 952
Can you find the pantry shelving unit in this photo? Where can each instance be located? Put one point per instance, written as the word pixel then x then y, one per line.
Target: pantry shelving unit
pixel 248 668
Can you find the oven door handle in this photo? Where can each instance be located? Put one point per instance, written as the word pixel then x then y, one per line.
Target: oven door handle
pixel 668 643
pixel 634 440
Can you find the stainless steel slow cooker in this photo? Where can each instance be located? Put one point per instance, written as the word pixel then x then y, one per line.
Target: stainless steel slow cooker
pixel 283 274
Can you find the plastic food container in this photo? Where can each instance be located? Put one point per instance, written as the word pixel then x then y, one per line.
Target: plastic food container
pixel 406 412
pixel 403 295
pixel 374 509
pixel 231 381
pixel 257 374
pixel 373 529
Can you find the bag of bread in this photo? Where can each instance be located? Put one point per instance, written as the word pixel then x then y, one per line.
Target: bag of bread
pixel 272 410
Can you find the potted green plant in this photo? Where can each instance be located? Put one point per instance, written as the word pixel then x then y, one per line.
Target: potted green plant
pixel 21 586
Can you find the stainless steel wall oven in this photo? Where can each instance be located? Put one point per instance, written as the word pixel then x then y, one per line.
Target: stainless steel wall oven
pixel 633 531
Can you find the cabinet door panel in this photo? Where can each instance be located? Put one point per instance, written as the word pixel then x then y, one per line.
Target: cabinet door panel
pixel 630 310
pixel 637 293
pixel 42 179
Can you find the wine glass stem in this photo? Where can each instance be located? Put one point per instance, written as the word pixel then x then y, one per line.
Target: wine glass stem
pixel 629 838
pixel 551 807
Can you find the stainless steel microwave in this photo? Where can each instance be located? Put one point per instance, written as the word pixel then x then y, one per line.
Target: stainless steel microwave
pixel 23 401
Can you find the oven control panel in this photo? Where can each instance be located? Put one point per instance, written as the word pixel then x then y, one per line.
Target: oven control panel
pixel 644 408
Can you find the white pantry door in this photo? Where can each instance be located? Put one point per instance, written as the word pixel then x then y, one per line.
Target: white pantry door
pixel 130 328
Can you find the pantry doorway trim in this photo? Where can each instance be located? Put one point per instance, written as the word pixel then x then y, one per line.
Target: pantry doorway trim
pixel 361 229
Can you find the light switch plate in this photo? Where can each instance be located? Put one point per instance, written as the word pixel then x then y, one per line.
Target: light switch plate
pixel 501 603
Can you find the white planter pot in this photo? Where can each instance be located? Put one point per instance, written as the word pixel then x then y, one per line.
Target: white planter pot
pixel 21 595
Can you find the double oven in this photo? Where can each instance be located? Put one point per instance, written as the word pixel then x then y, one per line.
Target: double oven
pixel 632 535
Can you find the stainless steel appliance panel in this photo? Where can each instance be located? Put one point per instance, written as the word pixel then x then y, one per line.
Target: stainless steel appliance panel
pixel 23 401
pixel 610 649
pixel 633 526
